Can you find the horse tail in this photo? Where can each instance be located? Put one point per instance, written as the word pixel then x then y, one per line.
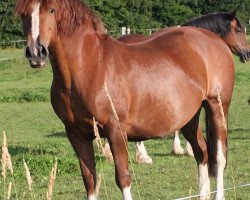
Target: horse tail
pixel 211 142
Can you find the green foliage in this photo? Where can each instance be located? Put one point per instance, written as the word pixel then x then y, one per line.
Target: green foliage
pixel 10 25
pixel 35 95
pixel 171 12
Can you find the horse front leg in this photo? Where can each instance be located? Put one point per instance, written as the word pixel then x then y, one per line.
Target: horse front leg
pixel 85 153
pixel 118 144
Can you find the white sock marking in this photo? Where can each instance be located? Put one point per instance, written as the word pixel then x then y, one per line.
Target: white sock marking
pixel 204 182
pixel 35 24
pixel 177 149
pixel 221 163
pixel 141 154
pixel 189 150
pixel 92 197
pixel 126 193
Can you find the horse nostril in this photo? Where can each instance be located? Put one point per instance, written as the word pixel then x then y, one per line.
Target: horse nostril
pixel 28 53
pixel 43 53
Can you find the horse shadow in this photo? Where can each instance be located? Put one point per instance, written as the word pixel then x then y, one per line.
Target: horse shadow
pixel 19 150
pixel 237 136
pixel 61 134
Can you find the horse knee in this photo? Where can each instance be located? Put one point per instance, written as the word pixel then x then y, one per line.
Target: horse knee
pixel 123 179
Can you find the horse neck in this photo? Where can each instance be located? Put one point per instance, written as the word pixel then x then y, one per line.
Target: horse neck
pixel 69 53
pixel 60 65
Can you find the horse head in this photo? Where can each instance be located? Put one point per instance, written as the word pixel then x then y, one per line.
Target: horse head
pixel 236 38
pixel 40 28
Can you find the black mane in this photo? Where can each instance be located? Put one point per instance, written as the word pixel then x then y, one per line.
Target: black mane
pixel 219 23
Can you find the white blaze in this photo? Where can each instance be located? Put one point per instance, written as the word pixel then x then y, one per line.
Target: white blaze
pixel 35 24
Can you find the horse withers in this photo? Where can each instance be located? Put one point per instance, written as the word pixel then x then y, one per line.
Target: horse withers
pixel 157 87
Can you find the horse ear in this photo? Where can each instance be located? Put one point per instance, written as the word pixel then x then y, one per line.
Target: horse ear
pixel 233 14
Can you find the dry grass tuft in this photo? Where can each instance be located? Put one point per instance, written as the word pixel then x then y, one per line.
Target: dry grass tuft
pixel 224 123
pixel 28 176
pixel 98 184
pixel 111 102
pixel 6 159
pixel 190 191
pixel 52 179
pixel 9 191
pixel 97 135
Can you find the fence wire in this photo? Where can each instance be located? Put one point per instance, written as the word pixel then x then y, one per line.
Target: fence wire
pixel 198 195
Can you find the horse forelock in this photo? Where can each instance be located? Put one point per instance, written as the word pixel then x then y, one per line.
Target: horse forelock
pixel 219 23
pixel 70 14
pixel 25 7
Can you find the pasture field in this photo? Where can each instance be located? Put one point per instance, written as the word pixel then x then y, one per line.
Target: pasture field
pixel 35 134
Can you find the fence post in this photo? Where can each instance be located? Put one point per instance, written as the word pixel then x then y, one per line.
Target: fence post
pixel 124 30
pixel 128 31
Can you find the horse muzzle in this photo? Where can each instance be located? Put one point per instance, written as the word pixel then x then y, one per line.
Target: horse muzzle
pixel 37 56
pixel 244 55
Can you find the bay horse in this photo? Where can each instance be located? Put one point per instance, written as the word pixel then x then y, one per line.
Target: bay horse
pixel 156 86
pixel 218 23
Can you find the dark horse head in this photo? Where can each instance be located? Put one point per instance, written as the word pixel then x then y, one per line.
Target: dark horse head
pixel 229 28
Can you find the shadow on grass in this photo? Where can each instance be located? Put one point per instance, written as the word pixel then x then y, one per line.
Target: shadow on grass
pixel 235 134
pixel 17 150
pixel 57 134
pixel 166 155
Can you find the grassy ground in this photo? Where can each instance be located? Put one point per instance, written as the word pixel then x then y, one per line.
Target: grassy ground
pixel 36 135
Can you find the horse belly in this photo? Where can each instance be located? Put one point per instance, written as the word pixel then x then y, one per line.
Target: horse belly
pixel 164 112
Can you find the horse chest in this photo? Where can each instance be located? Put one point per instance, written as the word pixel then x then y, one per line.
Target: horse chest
pixel 70 110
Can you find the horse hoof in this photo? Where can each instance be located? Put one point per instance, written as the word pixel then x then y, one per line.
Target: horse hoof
pixel 205 198
pixel 178 151
pixel 143 159
pixel 189 153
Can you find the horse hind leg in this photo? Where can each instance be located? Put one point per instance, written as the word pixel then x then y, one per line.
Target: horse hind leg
pixel 216 125
pixel 176 147
pixel 193 134
pixel 189 150
pixel 141 154
pixel 106 152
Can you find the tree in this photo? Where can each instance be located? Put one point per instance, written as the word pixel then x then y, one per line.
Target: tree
pixel 10 25
pixel 171 13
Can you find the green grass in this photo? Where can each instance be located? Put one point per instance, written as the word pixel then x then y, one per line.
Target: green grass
pixel 35 134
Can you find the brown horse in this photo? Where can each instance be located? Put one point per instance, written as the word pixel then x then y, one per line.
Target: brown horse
pixel 218 23
pixel 157 86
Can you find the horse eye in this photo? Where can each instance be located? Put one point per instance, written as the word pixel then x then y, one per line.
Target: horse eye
pixel 238 30
pixel 52 10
